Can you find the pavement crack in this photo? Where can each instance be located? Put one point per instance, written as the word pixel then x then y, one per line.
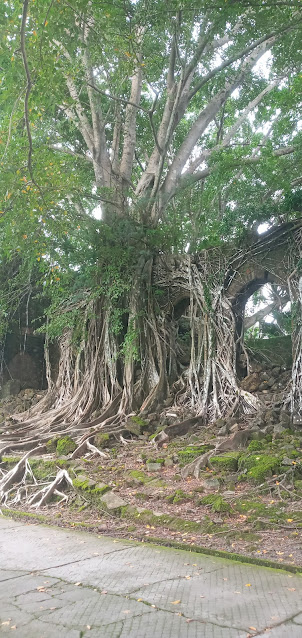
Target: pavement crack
pixel 79 560
pixel 5 580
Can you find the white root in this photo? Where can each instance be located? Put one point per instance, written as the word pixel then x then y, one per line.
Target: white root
pixel 85 447
pixel 15 476
pixel 41 497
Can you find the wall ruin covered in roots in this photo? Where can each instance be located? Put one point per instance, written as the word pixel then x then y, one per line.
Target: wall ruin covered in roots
pixel 96 389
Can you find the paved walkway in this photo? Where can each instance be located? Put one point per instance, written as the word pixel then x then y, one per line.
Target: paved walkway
pixel 68 584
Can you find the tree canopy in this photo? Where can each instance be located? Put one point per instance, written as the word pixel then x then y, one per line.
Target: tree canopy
pixel 183 115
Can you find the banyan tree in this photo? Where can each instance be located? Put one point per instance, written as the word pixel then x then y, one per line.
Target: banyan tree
pixel 142 147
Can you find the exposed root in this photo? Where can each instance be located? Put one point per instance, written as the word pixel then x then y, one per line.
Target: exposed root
pixel 86 446
pixel 96 389
pixel 195 466
pixel 43 496
pixel 19 484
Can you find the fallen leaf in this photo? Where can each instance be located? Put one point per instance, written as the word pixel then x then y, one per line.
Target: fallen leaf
pixel 175 602
pixel 139 600
pixel 253 628
pixel 290 520
pixel 248 585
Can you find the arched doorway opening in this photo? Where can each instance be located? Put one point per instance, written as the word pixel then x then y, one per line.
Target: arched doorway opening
pixel 264 326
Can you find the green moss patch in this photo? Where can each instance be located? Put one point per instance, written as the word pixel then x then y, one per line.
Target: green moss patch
pixel 65 446
pixel 101 439
pixel 44 469
pixel 190 453
pixel 163 520
pixel 226 462
pixel 218 504
pixel 179 497
pixel 258 467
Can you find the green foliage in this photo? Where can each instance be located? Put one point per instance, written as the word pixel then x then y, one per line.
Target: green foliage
pixel 49 238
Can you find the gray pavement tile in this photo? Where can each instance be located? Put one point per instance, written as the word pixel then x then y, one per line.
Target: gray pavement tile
pixel 167 625
pixel 24 584
pixel 287 630
pixel 39 547
pixel 60 594
pixel 135 566
pixel 8 574
pixel 97 611
pixel 223 596
pixel 38 629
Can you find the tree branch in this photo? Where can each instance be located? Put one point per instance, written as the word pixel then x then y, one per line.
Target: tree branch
pixel 28 85
pixel 131 115
pixel 69 151
pixel 205 155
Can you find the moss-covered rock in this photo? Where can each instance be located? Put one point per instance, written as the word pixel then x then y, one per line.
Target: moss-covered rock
pixel 179 497
pixel 51 445
pixel 190 453
pixel 138 477
pixel 65 446
pixel 101 439
pixel 255 446
pixel 136 425
pixel 217 502
pixel 258 467
pixel 226 462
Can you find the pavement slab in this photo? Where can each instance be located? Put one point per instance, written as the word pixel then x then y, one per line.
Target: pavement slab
pixel 57 582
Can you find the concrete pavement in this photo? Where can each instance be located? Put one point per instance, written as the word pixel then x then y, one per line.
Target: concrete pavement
pixel 57 582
